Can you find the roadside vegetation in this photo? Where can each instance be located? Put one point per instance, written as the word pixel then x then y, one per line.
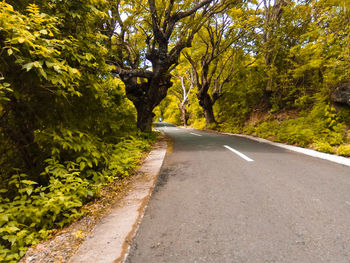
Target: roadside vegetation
pixel 66 126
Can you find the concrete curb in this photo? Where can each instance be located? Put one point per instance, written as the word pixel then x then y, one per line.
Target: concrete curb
pixel 109 241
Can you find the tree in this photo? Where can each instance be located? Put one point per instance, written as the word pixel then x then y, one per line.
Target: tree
pixel 181 92
pixel 31 67
pixel 147 45
pixel 272 16
pixel 212 65
pixel 50 71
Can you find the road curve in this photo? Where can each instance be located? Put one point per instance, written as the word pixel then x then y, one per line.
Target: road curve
pixel 223 198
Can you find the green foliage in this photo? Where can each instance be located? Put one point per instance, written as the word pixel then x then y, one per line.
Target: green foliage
pixel 265 129
pixel 28 217
pixel 323 147
pixel 344 114
pixel 344 150
pixel 168 110
pixel 34 210
pixel 31 45
pixel 66 127
pixel 319 127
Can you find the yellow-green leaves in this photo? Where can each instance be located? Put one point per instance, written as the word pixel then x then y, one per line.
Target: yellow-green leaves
pixel 43 32
pixel 35 64
pixel 5 90
pixel 33 9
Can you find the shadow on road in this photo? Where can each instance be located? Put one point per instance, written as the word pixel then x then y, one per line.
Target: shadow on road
pixel 163 124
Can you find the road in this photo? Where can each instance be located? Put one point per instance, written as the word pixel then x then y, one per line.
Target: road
pixel 223 198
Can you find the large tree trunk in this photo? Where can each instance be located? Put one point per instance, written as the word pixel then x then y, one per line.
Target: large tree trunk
pixel 207 105
pixel 147 95
pixel 144 118
pixel 184 115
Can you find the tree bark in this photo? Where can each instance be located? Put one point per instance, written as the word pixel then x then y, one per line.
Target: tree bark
pixel 144 118
pixel 147 95
pixel 207 105
pixel 184 115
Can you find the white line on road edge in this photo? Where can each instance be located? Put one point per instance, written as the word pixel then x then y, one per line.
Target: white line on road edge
pixel 195 134
pixel 239 153
pixel 330 157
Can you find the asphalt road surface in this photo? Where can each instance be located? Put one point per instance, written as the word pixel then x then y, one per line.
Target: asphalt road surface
pixel 224 198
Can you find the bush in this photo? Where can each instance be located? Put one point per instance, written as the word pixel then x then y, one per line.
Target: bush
pixel 266 129
pixel 198 123
pixel 320 127
pixel 295 131
pixel 344 150
pixel 30 215
pixel 323 147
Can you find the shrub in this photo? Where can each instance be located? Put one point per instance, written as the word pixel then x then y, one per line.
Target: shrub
pixel 198 123
pixel 323 147
pixel 344 150
pixel 35 210
pixel 320 127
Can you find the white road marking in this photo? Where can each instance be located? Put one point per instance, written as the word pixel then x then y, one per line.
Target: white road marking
pixel 239 153
pixel 330 157
pixel 195 134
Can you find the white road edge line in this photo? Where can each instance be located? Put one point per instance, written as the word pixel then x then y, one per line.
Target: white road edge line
pixel 195 134
pixel 330 157
pixel 239 153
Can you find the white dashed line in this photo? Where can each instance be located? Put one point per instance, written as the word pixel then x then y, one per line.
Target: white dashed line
pixel 195 134
pixel 330 157
pixel 239 154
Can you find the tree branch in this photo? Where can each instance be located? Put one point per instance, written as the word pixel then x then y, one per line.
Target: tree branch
pixel 158 33
pixel 176 17
pixel 129 73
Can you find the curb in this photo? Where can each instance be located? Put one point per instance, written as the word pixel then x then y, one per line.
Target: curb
pixel 110 239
